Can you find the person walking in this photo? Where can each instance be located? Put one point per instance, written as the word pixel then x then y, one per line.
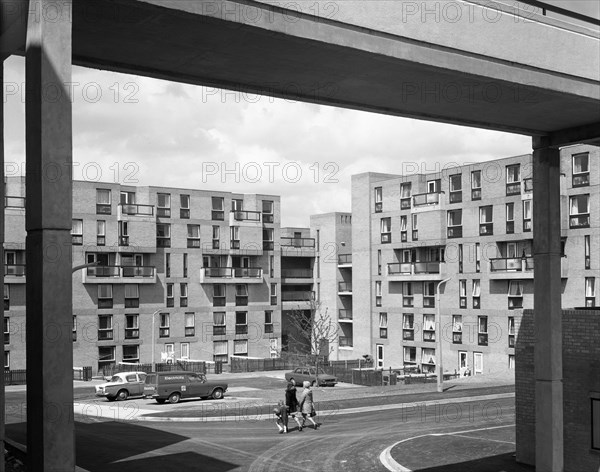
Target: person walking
pixel 307 405
pixel 291 401
pixel 281 415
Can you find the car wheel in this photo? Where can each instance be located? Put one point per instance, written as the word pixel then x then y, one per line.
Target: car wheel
pixel 122 395
pixel 160 400
pixel 174 397
pixel 217 393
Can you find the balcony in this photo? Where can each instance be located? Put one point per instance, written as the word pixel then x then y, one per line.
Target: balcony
pixel 297 246
pixel 224 275
pixel 344 261
pixel 345 288
pixel 519 268
pixel 426 199
pixel 119 275
pixel 244 218
pixel 14 273
pixel 296 275
pixel 297 299
pixel 416 271
pixel 127 209
pixel 345 315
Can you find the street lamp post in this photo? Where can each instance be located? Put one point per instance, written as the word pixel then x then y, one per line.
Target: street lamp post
pixel 438 336
pixel 154 338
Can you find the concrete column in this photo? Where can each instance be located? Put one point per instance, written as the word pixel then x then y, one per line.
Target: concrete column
pixel 547 311
pixel 50 425
pixel 2 392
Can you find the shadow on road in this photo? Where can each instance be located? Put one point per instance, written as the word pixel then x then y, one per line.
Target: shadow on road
pixel 499 463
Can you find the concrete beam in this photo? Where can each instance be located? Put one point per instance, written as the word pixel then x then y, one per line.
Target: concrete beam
pixel 2 391
pixel 547 311
pixel 50 423
pixel 589 134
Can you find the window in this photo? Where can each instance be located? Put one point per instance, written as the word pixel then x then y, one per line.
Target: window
pixel 378 199
pixel 127 198
pixel 185 350
pixel 378 297
pixel 132 328
pixel 526 216
pixel 101 233
pixel 581 170
pixel 123 233
pixel 105 327
pixel 462 293
pixel 272 266
pixel 74 327
pixel 164 330
pixel 241 295
pixel 587 252
pixel 457 328
pixel 434 186
pixel 163 207
pixel 219 327
pixel 378 261
pixel 193 236
pixel 6 330
pixel 579 211
pixel 273 294
pixel 132 295
pixel 510 218
pixel 237 205
pixel 183 292
pixel 267 210
pixel 455 224
pixel 216 237
pixel 427 360
pixel 407 294
pixel 105 296
pixel 511 331
pixel 403 226
pixel 106 355
pixel 515 294
pixel 456 188
pixel 268 321
pixel 405 192
pixel 460 258
pixel 167 265
pixel 408 327
pixel 268 244
pixel 415 227
pixel 185 264
pixel 6 297
pixel 477 257
pixel 220 351
pixel 190 324
pixel 77 232
pixel 482 330
pixel 241 322
pixel 476 293
pixel 163 235
pixel 383 332
pixel 235 237
pixel 170 295
pixel 476 185
pixel 103 206
pixel 590 292
pixel 429 328
pixel 131 353
pixel 486 225
pixel 6 360
pixel 240 347
pixel 386 230
pixel 428 294
pixel 218 214
pixel 513 179
pixel 184 206
pixel 410 355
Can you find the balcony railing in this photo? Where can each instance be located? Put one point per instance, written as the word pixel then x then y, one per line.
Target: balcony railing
pixel 345 287
pixel 229 272
pixel 297 242
pixel 14 270
pixel 14 202
pixel 426 199
pixel 249 272
pixel 407 268
pixel 242 215
pixel 120 271
pixel 137 271
pixel 297 296
pixel 511 264
pixel 345 314
pixel 345 341
pixel 297 273
pixel 344 259
pixel 513 188
pixel 580 221
pixel 136 210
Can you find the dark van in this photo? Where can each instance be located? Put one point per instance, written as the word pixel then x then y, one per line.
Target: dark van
pixel 173 386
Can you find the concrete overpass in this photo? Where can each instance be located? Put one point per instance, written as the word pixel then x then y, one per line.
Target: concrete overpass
pixel 469 62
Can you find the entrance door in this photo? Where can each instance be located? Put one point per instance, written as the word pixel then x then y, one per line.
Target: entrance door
pixel 380 356
pixel 478 361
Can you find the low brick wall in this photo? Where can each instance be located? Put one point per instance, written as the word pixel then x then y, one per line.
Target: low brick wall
pixel 581 377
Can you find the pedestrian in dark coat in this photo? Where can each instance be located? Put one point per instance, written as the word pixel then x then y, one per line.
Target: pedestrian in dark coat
pixel 292 402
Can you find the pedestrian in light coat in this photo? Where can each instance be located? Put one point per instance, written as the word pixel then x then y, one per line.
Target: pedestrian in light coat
pixel 307 405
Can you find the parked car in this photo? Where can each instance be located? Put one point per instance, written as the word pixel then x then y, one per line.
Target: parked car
pixel 308 373
pixel 122 385
pixel 173 386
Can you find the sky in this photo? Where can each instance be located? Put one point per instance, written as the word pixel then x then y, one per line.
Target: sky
pixel 140 131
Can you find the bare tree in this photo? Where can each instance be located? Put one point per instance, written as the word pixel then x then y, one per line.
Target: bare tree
pixel 311 333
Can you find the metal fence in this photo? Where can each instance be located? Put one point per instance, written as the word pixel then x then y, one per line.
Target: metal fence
pixel 19 376
pixel 197 366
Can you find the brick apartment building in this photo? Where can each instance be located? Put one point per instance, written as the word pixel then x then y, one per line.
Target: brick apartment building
pixel 180 274
pixel 472 225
